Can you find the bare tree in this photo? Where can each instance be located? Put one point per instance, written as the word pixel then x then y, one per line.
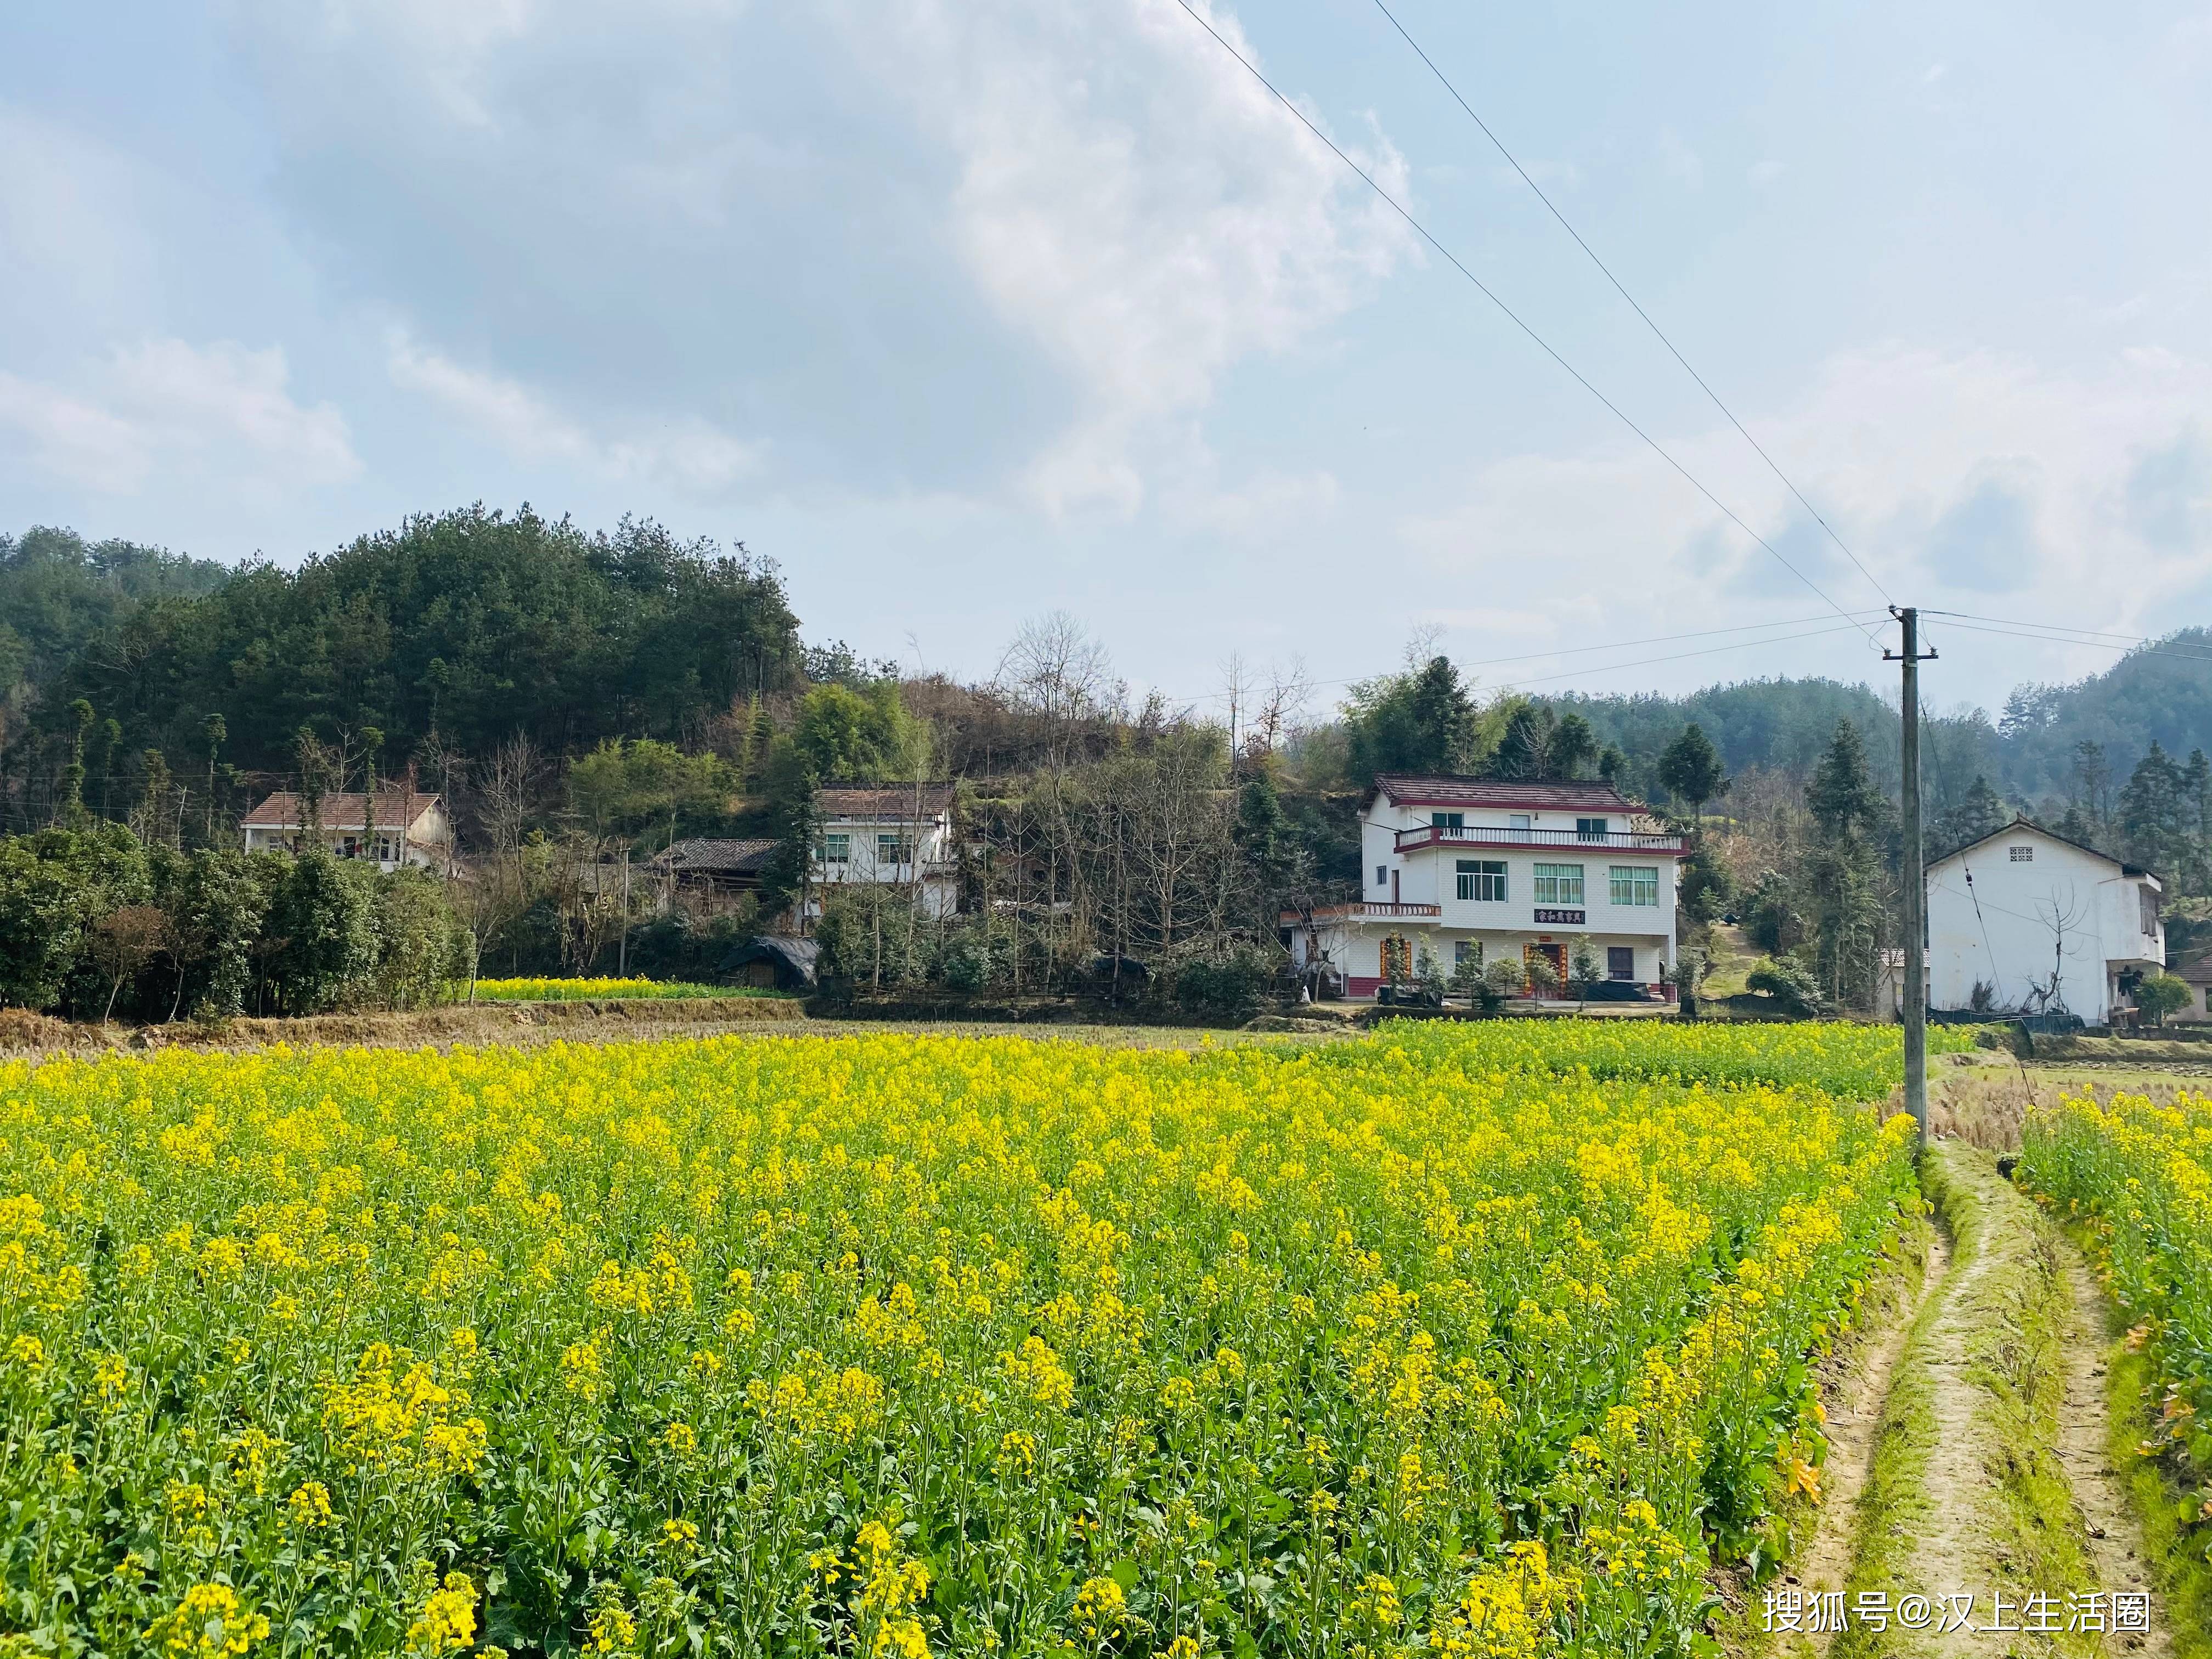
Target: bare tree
pixel 1057 670
pixel 510 786
pixel 2061 916
pixel 1275 712
pixel 123 942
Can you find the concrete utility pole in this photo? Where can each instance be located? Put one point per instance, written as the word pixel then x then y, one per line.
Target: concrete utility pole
pixel 622 951
pixel 1914 987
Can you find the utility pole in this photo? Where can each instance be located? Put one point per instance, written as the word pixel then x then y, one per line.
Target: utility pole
pixel 1914 987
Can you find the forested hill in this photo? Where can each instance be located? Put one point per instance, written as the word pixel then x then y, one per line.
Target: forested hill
pixel 57 592
pixel 2031 752
pixel 476 625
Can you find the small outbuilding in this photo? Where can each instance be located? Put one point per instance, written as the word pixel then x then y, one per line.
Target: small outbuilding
pixel 711 876
pixel 770 962
pixel 2197 975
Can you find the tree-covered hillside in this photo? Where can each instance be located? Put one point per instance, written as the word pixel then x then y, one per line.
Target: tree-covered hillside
pixel 57 592
pixel 2031 753
pixel 476 625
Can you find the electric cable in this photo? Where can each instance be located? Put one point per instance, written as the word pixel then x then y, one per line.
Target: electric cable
pixel 2126 644
pixel 1659 333
pixel 1514 317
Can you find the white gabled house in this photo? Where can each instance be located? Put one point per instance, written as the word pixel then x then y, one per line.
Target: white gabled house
pixel 1491 867
pixel 2044 924
pixel 901 836
pixel 395 827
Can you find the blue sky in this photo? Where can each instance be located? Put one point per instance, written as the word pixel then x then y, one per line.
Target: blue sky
pixel 964 311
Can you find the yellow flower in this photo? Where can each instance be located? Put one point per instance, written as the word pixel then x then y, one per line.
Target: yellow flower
pixel 309 1505
pixel 207 1624
pixel 1101 1609
pixel 613 1629
pixel 111 1375
pixel 448 1621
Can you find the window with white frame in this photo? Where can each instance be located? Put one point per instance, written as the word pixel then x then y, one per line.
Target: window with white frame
pixel 1482 880
pixel 1453 822
pixel 837 846
pixel 1591 828
pixel 1466 950
pixel 1518 822
pixel 1559 884
pixel 1635 885
pixel 894 847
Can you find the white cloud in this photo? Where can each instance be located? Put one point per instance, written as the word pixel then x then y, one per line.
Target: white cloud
pixel 221 411
pixel 1050 231
pixel 1961 479
pixel 1765 173
pixel 686 455
pixel 1130 198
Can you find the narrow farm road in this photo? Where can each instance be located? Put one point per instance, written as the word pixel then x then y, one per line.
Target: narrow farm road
pixel 2115 1537
pixel 1981 1509
pixel 1855 1404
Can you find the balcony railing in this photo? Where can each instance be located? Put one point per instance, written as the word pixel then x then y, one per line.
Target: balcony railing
pixel 1365 912
pixel 1616 840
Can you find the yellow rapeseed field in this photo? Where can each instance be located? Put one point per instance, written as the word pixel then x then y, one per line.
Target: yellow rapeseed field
pixel 2138 1176
pixel 1477 1341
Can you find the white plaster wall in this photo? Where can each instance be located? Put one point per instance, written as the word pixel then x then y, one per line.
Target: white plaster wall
pixel 2014 939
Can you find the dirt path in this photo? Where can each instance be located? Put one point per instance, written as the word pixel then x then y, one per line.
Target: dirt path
pixel 1952 1545
pixel 1981 1468
pixel 1855 1408
pixel 2085 1449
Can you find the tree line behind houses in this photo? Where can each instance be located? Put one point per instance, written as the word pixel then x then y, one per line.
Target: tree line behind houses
pixel 581 702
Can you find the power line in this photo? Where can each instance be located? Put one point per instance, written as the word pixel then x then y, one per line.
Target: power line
pixel 1514 317
pixel 1740 645
pixel 1613 645
pixel 2014 622
pixel 1658 332
pixel 2140 649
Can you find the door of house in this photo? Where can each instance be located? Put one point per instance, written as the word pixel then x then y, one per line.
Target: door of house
pixel 1556 955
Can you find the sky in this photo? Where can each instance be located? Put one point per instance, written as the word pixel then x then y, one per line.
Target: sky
pixel 964 312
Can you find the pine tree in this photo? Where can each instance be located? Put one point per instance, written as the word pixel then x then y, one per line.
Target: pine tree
pixel 1843 870
pixel 1690 770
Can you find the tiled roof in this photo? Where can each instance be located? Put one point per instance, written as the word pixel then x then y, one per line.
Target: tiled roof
pixel 707 854
pixel 903 804
pixel 287 811
pixel 1406 789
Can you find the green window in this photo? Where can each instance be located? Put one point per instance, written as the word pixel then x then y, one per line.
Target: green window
pixel 1559 884
pixel 1635 885
pixel 1482 879
pixel 837 846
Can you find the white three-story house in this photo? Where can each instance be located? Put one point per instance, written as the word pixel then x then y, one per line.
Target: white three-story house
pixel 1488 867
